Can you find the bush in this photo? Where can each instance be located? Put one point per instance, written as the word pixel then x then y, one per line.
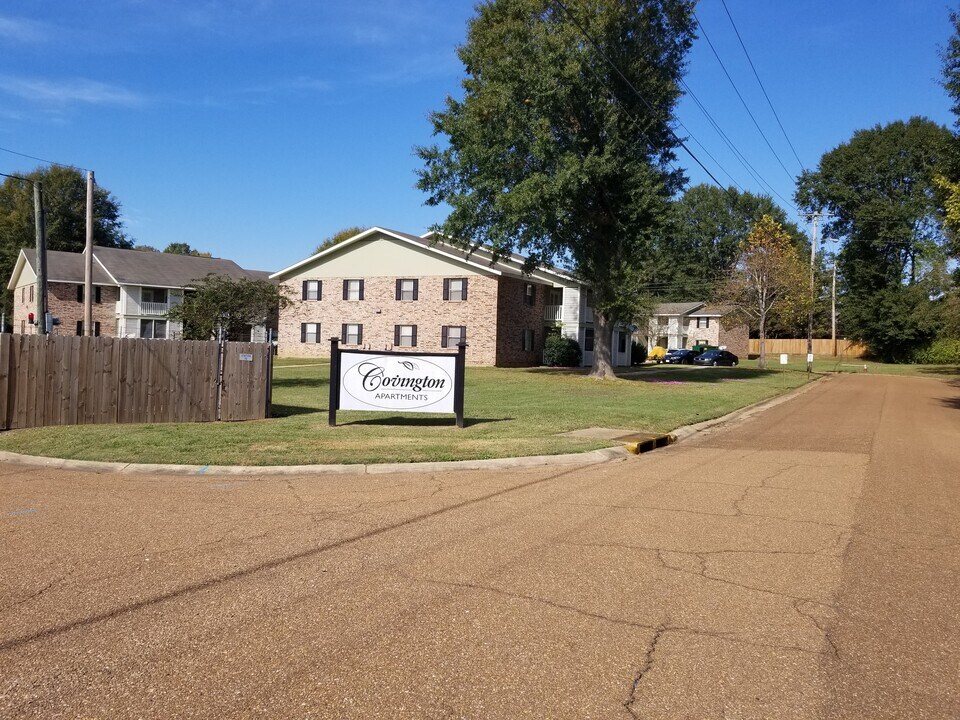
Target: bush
pixel 939 352
pixel 559 351
pixel 638 353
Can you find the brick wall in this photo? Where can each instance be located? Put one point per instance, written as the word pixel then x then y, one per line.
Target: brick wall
pixel 62 301
pixel 379 311
pixel 737 340
pixel 515 316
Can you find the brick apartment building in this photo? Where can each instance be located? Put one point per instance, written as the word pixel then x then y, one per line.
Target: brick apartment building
pixel 384 290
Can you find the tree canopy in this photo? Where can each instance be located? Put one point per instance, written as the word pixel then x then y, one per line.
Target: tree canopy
pixel 703 243
pixel 221 305
pixel 338 237
pixel 182 248
pixel 880 188
pixel 554 154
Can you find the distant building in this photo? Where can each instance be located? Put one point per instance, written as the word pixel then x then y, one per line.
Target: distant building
pixel 385 290
pixel 133 290
pixel 683 325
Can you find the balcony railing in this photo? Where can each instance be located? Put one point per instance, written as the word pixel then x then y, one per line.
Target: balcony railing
pixel 154 308
pixel 553 313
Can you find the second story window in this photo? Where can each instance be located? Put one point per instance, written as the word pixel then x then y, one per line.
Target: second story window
pixel 455 289
pixel 407 289
pixel 96 294
pixel 529 294
pixel 353 289
pixel 312 290
pixel 153 295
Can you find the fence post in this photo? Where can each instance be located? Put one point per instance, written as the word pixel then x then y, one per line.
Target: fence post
pixel 221 343
pixel 334 381
pixel 458 381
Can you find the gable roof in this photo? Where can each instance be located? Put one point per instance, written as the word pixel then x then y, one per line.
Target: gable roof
pixel 677 308
pixel 116 266
pixel 711 311
pixel 480 260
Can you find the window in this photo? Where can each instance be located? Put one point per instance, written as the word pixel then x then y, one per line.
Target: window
pixel 96 294
pixel 455 289
pixel 452 335
pixel 351 334
pixel 528 336
pixel 96 328
pixel 529 294
pixel 312 290
pixel 23 294
pixel 31 293
pixel 353 289
pixel 407 289
pixel 309 332
pixel 153 295
pixel 703 322
pixel 405 335
pixel 153 328
pixel 621 342
pixel 588 339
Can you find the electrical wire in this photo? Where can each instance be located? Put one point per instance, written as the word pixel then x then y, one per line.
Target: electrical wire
pixel 48 162
pixel 760 83
pixel 744 102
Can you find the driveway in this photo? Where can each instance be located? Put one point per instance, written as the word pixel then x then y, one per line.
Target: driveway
pixel 801 563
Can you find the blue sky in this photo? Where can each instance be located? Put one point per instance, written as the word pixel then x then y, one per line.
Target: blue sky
pixel 253 129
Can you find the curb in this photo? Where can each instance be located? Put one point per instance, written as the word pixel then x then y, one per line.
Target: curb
pixel 592 457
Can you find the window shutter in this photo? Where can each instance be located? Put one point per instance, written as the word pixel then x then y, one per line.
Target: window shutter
pixel 303 295
pixel 79 327
pixel 443 332
pixel 414 341
pixel 346 293
pixel 343 333
pixel 96 294
pixel 396 333
pixel 361 289
pixel 416 288
pixel 96 329
pixel 446 296
pixel 303 332
pixel 360 327
pixel 79 293
pixel 399 285
pixel 533 294
pixel 464 288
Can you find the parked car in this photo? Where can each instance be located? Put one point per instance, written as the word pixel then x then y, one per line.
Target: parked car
pixel 680 357
pixel 716 357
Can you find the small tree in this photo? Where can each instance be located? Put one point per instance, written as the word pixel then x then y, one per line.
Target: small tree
pixel 769 280
pixel 224 307
pixel 182 248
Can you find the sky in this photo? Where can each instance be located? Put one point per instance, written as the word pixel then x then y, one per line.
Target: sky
pixel 254 129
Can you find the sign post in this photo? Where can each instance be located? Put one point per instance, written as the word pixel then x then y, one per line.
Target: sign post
pixel 399 381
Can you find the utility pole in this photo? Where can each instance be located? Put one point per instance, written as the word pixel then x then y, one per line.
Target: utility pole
pixel 813 257
pixel 41 259
pixel 833 307
pixel 88 263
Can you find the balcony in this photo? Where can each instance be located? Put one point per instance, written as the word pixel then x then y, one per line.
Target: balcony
pixel 154 308
pixel 553 313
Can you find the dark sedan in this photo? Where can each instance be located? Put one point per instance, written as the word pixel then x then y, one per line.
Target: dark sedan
pixel 680 357
pixel 716 357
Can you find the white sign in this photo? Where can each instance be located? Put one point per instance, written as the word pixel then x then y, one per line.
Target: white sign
pixel 784 359
pixel 246 357
pixel 411 383
pixel 809 357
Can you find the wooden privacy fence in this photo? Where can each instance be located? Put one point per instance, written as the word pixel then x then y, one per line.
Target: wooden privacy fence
pixel 794 346
pixel 63 380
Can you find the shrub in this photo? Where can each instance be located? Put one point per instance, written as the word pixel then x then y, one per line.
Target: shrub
pixel 638 353
pixel 559 351
pixel 939 352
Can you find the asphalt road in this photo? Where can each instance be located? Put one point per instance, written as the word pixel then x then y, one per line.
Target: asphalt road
pixel 799 563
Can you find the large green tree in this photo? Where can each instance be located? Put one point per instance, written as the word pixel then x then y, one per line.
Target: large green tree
pixel 881 191
pixel 703 244
pixel 561 147
pixel 65 211
pixel 338 237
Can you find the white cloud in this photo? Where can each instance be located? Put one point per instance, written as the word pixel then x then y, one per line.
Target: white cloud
pixel 69 92
pixel 22 31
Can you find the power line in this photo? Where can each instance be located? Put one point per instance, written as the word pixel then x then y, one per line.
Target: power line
pixel 48 162
pixel 760 82
pixel 15 177
pixel 744 102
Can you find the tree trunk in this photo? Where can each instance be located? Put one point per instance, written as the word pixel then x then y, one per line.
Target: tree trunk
pixel 602 356
pixel 762 361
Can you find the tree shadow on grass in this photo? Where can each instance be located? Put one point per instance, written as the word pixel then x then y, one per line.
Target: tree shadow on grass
pixel 300 382
pixel 424 421
pixel 693 374
pixel 278 410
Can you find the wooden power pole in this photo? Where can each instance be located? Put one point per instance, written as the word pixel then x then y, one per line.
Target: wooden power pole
pixel 88 263
pixel 41 259
pixel 813 297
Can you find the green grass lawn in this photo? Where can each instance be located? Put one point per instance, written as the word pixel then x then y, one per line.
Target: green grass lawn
pixel 509 412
